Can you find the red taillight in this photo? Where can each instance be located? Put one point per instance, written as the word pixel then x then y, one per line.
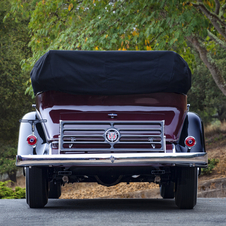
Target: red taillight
pixel 190 141
pixel 32 140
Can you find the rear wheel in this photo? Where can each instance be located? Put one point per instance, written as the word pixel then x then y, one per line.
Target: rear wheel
pixel 54 190
pixel 186 188
pixel 167 190
pixel 36 187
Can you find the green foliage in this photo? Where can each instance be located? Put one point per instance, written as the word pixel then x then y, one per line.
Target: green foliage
pixel 104 25
pixel 204 96
pixel 7 160
pixel 13 103
pixel 211 164
pixel 9 193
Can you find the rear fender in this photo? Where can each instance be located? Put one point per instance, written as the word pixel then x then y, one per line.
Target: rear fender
pixel 25 130
pixel 192 127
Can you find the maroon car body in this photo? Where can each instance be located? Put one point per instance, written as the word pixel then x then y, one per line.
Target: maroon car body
pixel 170 107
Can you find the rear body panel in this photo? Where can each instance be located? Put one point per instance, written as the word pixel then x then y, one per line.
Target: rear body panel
pixel 170 107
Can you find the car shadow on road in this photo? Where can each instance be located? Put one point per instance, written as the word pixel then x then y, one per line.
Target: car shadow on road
pixel 113 204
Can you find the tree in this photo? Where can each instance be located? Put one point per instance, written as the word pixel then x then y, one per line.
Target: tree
pixel 128 25
pixel 215 13
pixel 13 44
pixel 204 96
pixel 7 161
pixel 13 103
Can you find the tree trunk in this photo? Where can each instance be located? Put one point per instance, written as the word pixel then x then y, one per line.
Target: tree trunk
pixel 216 74
pixel 12 176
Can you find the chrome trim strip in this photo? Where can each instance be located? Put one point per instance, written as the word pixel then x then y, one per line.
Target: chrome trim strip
pixel 190 159
pixel 174 148
pixel 43 125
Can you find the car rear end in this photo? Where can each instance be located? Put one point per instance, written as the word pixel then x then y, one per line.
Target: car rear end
pixel 111 117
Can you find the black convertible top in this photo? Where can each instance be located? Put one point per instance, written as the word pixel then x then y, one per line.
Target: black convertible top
pixel 111 72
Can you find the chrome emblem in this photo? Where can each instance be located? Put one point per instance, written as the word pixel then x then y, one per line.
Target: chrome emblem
pixel 112 115
pixel 112 135
pixel 112 159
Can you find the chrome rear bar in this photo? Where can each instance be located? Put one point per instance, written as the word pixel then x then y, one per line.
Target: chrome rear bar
pixel 114 159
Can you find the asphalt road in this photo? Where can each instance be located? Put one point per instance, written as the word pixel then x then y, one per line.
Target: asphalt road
pixel 109 212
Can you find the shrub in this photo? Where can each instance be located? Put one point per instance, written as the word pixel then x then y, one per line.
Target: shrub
pixel 211 164
pixel 9 193
pixel 7 160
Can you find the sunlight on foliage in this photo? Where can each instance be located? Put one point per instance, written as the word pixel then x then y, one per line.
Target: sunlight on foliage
pixel 9 193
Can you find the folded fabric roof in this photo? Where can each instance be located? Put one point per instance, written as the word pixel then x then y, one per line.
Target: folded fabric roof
pixel 111 72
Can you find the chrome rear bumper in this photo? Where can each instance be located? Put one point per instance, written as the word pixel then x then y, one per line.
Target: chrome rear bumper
pixel 114 159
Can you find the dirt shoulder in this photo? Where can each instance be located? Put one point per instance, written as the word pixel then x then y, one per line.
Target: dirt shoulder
pixel 94 190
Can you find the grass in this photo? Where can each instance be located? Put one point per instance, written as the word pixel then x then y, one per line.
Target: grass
pixel 215 128
pixel 215 139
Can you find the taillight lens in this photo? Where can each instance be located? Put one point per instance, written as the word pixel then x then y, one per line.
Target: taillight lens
pixel 32 140
pixel 54 145
pixel 190 141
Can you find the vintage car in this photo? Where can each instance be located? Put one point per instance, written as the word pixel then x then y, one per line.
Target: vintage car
pixel 111 117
